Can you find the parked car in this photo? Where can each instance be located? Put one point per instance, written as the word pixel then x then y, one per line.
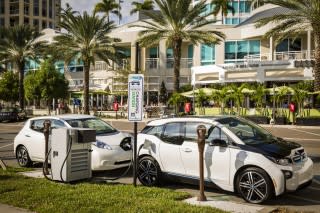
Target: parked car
pixel 12 114
pixel 111 150
pixel 239 156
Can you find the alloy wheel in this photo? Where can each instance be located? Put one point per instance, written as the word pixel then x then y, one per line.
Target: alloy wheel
pixel 23 157
pixel 253 187
pixel 148 172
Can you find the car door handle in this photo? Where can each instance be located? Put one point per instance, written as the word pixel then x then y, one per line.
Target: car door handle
pixel 27 136
pixel 186 149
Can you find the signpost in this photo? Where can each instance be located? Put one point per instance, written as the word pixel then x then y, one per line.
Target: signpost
pixel 135 104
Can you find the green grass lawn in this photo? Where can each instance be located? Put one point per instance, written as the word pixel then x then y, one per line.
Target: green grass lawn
pixel 41 195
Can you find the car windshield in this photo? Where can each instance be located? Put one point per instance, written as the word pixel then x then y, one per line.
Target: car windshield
pixel 100 126
pixel 247 131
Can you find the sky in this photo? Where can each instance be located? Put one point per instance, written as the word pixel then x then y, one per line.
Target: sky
pixel 88 5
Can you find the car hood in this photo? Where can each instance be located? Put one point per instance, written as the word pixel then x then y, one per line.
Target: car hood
pixel 112 139
pixel 277 148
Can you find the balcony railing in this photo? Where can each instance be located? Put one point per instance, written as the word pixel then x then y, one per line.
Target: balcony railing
pixel 280 56
pixel 152 63
pixel 184 63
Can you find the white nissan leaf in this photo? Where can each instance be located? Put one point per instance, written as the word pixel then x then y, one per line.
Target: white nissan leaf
pixel 111 150
pixel 239 156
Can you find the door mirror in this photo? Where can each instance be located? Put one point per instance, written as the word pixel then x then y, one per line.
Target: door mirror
pixel 218 142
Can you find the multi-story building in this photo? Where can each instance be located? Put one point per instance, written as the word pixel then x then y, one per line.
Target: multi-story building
pixel 40 14
pixel 244 56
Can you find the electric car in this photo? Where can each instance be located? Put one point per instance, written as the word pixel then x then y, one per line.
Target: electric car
pixel 239 156
pixel 111 150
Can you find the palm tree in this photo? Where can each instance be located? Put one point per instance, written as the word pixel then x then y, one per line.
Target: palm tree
pixel 221 96
pixel 201 96
pixel 177 21
pixel 258 96
pixel 222 6
pixel 176 99
pixel 304 15
pixel 146 5
pixel 17 44
pixel 237 95
pixel 86 38
pixel 107 7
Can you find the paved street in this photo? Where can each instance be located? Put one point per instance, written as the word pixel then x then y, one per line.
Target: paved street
pixel 304 200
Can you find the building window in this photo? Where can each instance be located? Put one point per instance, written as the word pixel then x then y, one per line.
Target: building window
pixel 14 9
pixel 235 51
pixel 50 8
pixel 170 60
pixel 36 24
pixel 2 22
pixel 26 10
pixel 241 11
pixel 44 8
pixel 26 21
pixel 245 7
pixel 44 24
pixel 153 52
pixel 2 7
pixel 208 54
pixel 50 25
pixel 289 45
pixel 36 7
pixel 208 10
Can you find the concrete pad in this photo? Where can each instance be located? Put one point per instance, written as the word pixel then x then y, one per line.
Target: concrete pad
pixel 33 174
pixel 225 205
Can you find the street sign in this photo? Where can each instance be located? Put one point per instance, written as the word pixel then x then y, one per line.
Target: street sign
pixel 135 97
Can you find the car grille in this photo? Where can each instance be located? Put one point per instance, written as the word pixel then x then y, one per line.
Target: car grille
pixel 298 156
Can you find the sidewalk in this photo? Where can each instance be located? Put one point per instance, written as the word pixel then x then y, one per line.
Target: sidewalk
pixel 11 209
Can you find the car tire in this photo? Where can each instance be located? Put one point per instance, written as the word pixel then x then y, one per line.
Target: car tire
pixel 254 185
pixel 149 172
pixel 23 157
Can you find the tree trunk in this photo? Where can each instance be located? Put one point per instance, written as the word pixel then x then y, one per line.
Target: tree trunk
pixel 316 68
pixel 86 88
pixel 21 79
pixel 177 43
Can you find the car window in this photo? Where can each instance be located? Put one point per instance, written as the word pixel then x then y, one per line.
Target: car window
pixel 247 131
pixel 217 133
pixel 37 125
pixel 153 130
pixel 57 124
pixel 100 126
pixel 173 133
pixel 191 130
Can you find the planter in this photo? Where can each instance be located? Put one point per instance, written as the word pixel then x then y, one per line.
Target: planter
pixel 258 119
pixel 308 121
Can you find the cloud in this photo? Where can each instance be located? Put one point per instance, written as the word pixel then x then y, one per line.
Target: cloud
pixel 85 5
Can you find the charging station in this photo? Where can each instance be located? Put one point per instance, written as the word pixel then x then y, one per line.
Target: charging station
pixel 71 153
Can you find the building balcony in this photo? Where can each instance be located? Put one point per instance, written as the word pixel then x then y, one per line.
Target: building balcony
pixel 184 63
pixel 281 56
pixel 152 63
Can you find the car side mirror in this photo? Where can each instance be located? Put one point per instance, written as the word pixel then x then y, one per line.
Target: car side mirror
pixel 218 142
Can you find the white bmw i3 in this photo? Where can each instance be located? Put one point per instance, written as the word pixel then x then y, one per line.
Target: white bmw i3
pixel 111 150
pixel 239 156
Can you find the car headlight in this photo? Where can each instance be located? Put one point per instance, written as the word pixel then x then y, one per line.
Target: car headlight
pixel 102 145
pixel 281 161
